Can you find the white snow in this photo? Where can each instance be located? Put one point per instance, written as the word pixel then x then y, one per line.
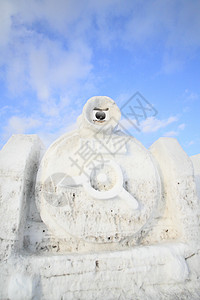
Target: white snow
pixel 124 224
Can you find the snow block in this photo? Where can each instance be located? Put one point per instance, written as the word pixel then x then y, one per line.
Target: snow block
pixel 19 160
pixel 181 206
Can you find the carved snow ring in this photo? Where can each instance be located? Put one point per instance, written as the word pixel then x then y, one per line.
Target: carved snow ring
pixel 86 215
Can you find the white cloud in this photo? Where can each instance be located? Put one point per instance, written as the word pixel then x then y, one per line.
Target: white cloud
pixel 41 53
pixel 4 109
pixel 191 143
pixel 47 44
pixel 51 67
pixel 176 132
pixel 47 48
pixel 6 11
pixel 17 125
pixel 190 96
pixel 173 26
pixel 181 126
pixel 171 133
pixel 153 124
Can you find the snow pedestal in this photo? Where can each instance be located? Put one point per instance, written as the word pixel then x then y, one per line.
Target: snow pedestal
pixel 105 218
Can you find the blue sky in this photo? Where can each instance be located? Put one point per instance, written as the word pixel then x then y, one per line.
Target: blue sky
pixel 55 54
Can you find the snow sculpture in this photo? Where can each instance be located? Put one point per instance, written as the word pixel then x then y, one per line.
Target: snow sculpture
pixel 100 196
pixel 98 206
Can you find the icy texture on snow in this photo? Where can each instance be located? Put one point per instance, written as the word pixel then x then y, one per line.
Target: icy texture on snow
pixel 124 229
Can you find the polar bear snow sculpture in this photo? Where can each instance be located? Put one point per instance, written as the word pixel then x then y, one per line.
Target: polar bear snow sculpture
pixel 92 189
pixel 99 216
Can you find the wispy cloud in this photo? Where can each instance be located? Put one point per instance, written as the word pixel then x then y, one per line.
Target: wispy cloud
pixel 4 109
pixel 176 132
pixel 171 133
pixel 190 96
pixel 153 124
pixel 173 25
pixel 181 126
pixel 46 45
pixel 192 142
pixel 48 48
pixel 40 52
pixel 21 125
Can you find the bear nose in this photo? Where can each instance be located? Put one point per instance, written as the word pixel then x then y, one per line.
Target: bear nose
pixel 100 115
